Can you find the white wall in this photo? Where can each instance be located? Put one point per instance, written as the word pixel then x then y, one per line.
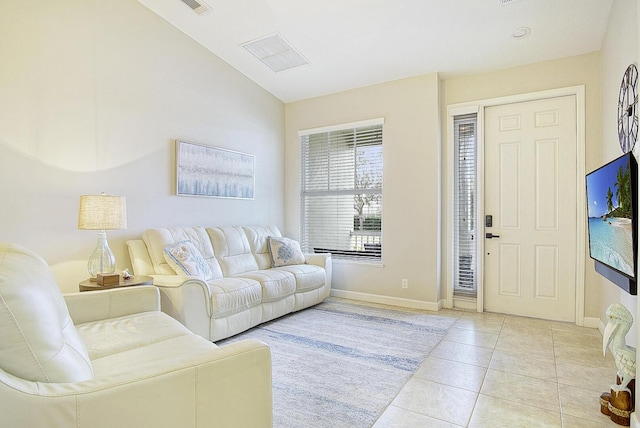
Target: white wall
pixel 415 172
pixel 92 94
pixel 619 49
pixel 411 186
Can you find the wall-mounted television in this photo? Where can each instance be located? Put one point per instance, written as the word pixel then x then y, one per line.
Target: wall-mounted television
pixel 612 215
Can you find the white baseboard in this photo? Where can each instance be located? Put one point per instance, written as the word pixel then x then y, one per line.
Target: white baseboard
pixel 466 304
pixel 589 322
pixel 386 300
pixel 593 322
pixel 635 423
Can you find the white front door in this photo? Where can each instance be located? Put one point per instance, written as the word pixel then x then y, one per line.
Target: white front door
pixel 530 184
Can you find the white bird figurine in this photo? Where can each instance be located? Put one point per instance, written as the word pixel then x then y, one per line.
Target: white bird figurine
pixel 620 320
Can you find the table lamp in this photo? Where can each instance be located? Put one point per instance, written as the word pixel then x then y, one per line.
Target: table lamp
pixel 102 212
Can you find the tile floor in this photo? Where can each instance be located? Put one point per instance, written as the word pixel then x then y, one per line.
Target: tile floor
pixel 496 370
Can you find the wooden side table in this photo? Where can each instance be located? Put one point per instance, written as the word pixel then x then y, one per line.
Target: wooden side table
pixel 88 285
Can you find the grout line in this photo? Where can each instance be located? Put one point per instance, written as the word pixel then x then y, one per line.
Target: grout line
pixel 555 366
pixel 493 350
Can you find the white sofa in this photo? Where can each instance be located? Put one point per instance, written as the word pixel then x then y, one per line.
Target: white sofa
pixel 112 359
pixel 242 289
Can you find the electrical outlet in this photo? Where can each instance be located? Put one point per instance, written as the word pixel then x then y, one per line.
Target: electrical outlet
pixel 405 283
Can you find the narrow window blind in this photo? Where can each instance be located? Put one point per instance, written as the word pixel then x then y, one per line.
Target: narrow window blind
pixel 341 192
pixel 465 128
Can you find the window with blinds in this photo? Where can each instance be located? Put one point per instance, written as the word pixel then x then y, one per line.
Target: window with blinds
pixel 341 191
pixel 464 242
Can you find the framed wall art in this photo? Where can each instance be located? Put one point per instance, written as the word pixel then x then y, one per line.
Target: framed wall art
pixel 211 171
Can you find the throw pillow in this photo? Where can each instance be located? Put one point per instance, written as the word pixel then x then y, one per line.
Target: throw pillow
pixel 285 251
pixel 186 259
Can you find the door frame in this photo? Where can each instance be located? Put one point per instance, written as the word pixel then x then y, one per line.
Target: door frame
pixel 479 107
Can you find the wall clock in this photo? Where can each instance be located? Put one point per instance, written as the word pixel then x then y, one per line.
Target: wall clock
pixel 628 109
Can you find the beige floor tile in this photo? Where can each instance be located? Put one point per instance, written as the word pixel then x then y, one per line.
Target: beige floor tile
pixel 487 316
pixel 526 365
pixel 479 324
pixel 572 328
pixel 463 353
pixel 449 313
pixel 395 417
pixel 540 374
pixel 593 378
pixel 539 334
pixel 522 390
pixel 527 322
pixel 569 421
pixel 526 345
pixel 452 373
pixel 584 356
pixel 435 400
pixel 491 412
pixel 575 339
pixel 472 337
pixel 580 402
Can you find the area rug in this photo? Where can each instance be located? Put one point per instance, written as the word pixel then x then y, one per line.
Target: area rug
pixel 340 364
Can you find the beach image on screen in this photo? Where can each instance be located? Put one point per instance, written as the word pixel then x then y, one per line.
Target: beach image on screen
pixel 609 202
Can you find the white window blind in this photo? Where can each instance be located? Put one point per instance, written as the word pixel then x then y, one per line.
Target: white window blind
pixel 341 194
pixel 464 134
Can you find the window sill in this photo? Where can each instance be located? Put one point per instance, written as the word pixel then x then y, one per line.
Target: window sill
pixel 368 263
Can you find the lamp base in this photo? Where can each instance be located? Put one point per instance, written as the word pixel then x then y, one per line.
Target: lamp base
pixel 102 260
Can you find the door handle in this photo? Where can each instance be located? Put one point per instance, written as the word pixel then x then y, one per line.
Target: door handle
pixel 490 235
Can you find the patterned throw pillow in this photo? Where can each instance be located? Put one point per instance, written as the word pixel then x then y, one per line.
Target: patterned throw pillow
pixel 185 259
pixel 285 251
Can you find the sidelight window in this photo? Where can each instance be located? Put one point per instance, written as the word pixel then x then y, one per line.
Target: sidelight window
pixel 465 194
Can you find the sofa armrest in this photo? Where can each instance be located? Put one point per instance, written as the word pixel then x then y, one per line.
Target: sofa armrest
pixel 172 280
pixel 111 303
pixel 248 392
pixel 187 299
pixel 318 259
pixel 187 384
pixel 324 261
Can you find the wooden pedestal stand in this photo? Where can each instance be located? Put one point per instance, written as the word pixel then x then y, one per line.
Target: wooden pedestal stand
pixel 619 405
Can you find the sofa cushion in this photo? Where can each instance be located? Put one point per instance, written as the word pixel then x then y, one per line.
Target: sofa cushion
pixel 38 340
pixel 308 277
pixel 232 250
pixel 120 334
pixel 276 284
pixel 233 295
pixel 157 240
pixel 284 252
pixel 185 259
pixel 144 363
pixel 258 237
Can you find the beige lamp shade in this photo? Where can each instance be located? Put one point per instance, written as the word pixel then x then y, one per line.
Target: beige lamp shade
pixel 102 212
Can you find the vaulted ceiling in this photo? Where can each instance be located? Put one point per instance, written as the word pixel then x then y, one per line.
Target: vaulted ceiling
pixel 355 43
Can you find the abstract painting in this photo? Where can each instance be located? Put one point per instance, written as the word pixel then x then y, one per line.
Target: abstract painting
pixel 211 171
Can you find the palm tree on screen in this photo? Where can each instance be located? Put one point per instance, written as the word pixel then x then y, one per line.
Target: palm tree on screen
pixel 622 191
pixel 609 200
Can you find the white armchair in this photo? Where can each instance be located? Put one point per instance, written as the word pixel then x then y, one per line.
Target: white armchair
pixel 113 359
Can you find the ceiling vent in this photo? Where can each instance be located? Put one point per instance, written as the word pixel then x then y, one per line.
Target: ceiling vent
pixel 198 7
pixel 275 52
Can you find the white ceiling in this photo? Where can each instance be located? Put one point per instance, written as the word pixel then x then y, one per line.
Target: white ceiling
pixel 356 43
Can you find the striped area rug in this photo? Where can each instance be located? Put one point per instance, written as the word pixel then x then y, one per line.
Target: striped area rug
pixel 340 364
